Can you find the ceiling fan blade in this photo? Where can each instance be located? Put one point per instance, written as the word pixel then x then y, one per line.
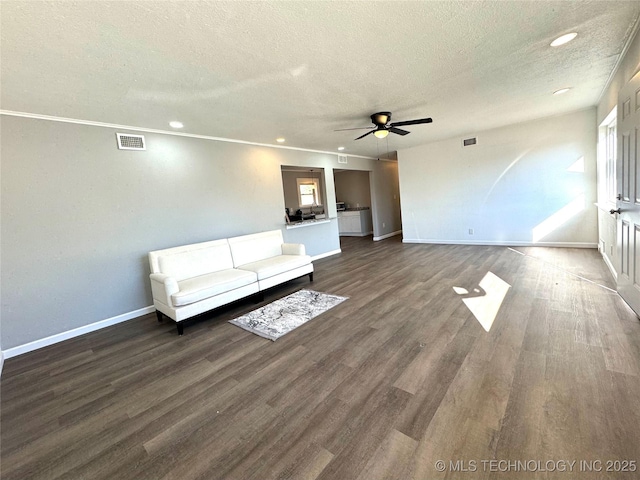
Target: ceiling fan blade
pixel 357 128
pixel 362 136
pixel 411 122
pixel 399 131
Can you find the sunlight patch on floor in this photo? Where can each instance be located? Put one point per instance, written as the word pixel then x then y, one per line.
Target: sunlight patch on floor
pixel 485 302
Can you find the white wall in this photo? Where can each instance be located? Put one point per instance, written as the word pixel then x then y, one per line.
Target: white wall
pixel 79 216
pixel 509 188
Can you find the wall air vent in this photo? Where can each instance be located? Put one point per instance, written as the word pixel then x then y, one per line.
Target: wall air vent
pixel 131 142
pixel 342 159
pixel 467 142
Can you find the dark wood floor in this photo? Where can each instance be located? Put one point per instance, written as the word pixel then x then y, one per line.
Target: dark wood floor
pixel 380 387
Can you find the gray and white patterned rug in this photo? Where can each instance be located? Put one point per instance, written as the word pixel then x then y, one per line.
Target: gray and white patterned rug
pixel 280 317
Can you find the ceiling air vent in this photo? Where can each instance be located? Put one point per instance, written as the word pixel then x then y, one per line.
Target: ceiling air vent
pixel 130 142
pixel 342 159
pixel 467 142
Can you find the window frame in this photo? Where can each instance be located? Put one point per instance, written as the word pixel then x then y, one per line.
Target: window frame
pixel 607 182
pixel 610 161
pixel 317 194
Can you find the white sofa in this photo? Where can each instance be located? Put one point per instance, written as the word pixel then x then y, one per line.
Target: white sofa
pixel 192 279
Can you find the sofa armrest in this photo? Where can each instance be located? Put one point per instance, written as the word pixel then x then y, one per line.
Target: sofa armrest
pixel 293 249
pixel 162 287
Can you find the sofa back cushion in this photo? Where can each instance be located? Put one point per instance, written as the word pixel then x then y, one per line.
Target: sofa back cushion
pixel 192 260
pixel 258 246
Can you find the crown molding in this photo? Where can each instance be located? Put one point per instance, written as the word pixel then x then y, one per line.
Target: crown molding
pixel 634 31
pixel 52 118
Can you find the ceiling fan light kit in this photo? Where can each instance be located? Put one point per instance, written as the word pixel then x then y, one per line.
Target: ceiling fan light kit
pixel 383 127
pixel 381 133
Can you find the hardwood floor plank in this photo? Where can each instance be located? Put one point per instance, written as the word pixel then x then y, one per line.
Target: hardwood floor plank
pixel 356 444
pixel 520 432
pixel 421 369
pixel 307 466
pixel 400 375
pixel 314 427
pixel 390 459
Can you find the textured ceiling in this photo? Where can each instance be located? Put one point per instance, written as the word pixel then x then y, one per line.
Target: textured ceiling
pixel 255 71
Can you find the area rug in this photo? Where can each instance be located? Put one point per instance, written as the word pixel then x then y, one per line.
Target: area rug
pixel 280 317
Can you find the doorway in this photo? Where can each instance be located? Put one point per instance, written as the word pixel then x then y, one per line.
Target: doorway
pixel 353 197
pixel 627 211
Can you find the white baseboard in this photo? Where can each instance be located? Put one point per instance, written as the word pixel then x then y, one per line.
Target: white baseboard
pixel 502 244
pixel 326 254
pixel 608 263
pixel 1 361
pixel 355 234
pixel 387 235
pixel 76 332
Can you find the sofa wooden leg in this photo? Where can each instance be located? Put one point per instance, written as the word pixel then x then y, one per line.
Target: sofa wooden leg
pixel 180 328
pixel 159 315
pixel 311 277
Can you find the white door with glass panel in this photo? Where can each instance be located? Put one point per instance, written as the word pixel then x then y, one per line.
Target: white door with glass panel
pixel 628 202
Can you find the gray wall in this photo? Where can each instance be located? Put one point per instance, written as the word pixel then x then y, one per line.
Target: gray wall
pixel 385 193
pixel 385 199
pixel 507 188
pixel 353 188
pixel 79 216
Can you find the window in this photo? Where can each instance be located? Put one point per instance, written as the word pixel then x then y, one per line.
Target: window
pixel 610 146
pixel 308 192
pixel 607 184
pixel 304 190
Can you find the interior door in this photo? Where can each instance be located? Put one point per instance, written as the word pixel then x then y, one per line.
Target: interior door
pixel 628 204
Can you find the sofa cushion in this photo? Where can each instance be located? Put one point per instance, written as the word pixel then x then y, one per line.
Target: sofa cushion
pixel 258 246
pixel 195 260
pixel 273 266
pixel 204 286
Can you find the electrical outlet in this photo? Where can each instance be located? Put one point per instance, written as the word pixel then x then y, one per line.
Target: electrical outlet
pixel 471 231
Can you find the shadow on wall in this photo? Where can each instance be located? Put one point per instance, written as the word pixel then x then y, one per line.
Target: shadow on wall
pixel 566 213
pixel 563 195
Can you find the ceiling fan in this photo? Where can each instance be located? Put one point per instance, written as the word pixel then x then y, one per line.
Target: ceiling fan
pixel 383 127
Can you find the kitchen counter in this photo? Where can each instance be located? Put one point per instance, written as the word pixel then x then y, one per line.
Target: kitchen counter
pixel 306 223
pixel 356 209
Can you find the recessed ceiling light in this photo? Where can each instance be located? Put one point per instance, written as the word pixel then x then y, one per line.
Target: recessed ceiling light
pixel 561 91
pixel 340 148
pixel 176 124
pixel 280 140
pixel 564 39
